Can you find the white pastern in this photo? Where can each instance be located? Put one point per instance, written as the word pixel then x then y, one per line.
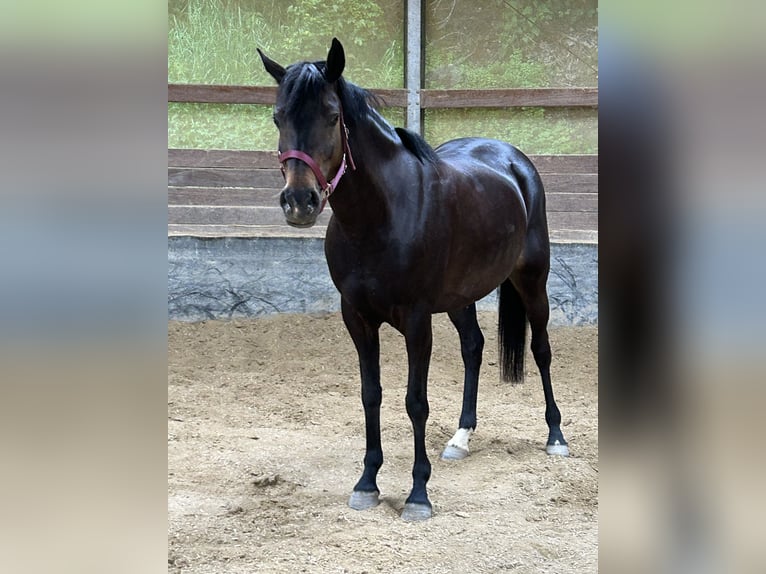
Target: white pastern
pixel 557 449
pixel 461 438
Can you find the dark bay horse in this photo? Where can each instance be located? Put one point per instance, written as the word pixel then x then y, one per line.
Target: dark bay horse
pixel 415 231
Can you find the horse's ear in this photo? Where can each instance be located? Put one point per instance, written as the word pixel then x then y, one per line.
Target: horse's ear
pixel 336 61
pixel 277 72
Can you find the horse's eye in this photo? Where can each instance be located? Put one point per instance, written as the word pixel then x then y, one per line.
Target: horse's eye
pixel 333 119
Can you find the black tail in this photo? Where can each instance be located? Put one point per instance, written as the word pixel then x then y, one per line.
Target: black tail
pixel 511 333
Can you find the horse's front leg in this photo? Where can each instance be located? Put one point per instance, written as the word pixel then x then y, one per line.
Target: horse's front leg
pixel 418 337
pixel 364 333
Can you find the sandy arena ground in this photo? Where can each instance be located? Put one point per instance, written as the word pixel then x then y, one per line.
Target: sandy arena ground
pixel 266 440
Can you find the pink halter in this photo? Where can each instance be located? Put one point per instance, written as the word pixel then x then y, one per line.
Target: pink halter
pixel 327 187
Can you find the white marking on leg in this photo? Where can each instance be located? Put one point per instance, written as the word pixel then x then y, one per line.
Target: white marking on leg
pixel 557 449
pixel 461 438
pixel 457 447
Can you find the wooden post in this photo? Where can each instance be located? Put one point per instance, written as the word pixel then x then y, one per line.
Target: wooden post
pixel 413 63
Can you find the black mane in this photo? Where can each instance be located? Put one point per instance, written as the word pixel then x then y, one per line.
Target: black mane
pixel 306 79
pixel 417 145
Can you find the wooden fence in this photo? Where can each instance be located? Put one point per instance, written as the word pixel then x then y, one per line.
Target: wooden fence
pixel 214 193
pixel 497 98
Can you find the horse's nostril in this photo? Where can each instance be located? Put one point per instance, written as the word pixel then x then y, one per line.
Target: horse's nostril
pixel 284 203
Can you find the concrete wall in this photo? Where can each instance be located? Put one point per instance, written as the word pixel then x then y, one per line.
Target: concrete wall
pixel 224 278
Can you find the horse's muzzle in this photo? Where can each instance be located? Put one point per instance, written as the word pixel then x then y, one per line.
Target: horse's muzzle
pixel 300 206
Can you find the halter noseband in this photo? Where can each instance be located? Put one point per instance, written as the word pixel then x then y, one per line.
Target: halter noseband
pixel 327 187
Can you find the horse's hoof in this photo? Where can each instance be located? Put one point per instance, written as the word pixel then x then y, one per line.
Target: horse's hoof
pixel 557 449
pixel 414 512
pixel 454 453
pixel 360 500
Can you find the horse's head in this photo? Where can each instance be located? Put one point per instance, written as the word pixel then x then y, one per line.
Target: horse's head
pixel 312 138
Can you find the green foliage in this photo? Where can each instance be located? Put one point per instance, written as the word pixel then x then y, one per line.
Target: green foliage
pixel 313 20
pixel 533 130
pixel 550 43
pixel 450 70
pixel 210 42
pixel 489 44
pixel 231 126
pixel 220 126
pixel 215 41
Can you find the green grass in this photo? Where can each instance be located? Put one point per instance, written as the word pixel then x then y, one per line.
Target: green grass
pixel 445 71
pixel 214 41
pixel 208 44
pixel 533 130
pixel 221 126
pixel 229 126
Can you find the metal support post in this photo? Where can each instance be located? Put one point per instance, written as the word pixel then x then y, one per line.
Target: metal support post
pixel 413 63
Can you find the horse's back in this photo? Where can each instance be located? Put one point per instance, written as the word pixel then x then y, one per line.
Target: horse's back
pixel 505 159
pixel 509 163
pixel 492 153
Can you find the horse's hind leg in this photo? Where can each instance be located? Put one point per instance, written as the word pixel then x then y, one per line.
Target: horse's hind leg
pixel 471 347
pixel 530 282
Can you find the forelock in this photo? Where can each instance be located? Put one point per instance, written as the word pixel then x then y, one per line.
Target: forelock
pixel 303 81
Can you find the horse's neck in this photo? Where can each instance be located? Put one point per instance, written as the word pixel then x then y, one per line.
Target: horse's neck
pixel 363 199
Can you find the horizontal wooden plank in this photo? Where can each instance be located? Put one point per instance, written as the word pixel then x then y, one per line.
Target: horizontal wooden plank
pixel 186 230
pixel 272 179
pixel 574 202
pixel 228 215
pixel 390 98
pixel 318 231
pixel 570 182
pixel 256 196
pixel 564 163
pixel 573 236
pixel 570 220
pixel 220 94
pixel 265 95
pixel 508 98
pixel 269 197
pixel 494 98
pixel 204 186
pixel 222 158
pixel 229 177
